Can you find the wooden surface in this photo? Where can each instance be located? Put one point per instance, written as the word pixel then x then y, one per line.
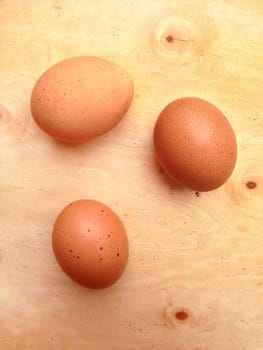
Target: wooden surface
pixel 199 254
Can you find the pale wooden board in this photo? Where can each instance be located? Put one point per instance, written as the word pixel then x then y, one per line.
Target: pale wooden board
pixel 203 254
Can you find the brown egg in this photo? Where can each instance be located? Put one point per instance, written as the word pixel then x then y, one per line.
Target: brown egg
pixel 195 144
pixel 90 243
pixel 80 98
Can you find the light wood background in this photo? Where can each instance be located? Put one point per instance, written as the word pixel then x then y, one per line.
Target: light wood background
pixel 199 254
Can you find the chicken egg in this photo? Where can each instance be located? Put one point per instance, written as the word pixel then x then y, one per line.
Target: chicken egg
pixel 90 243
pixel 80 98
pixel 195 143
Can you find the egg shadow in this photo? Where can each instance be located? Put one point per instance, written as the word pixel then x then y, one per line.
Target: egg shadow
pixel 76 148
pixel 171 184
pixel 66 145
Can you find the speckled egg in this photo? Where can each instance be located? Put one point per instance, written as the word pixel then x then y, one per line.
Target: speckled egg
pixel 195 143
pixel 80 98
pixel 90 243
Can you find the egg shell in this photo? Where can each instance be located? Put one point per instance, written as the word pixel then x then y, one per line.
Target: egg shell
pixel 195 143
pixel 90 243
pixel 80 98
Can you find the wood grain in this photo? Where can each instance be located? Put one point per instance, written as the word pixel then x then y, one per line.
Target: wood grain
pixel 201 255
